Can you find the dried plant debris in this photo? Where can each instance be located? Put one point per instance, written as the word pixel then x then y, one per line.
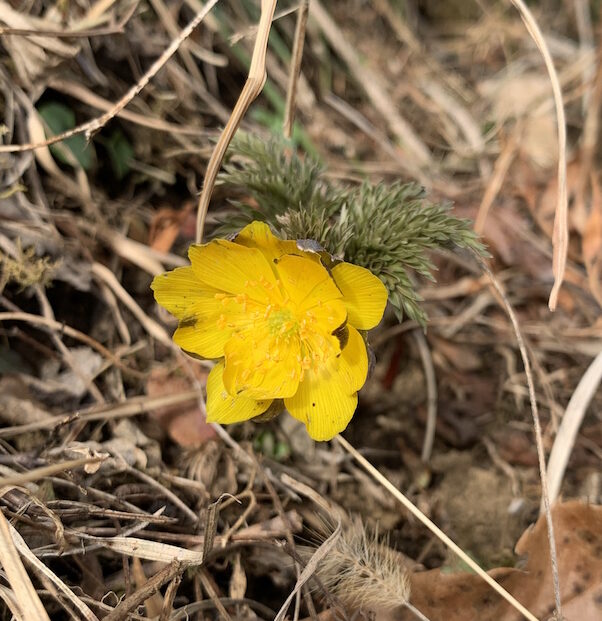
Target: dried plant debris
pixel 26 269
pixel 111 480
pixel 442 596
pixel 363 572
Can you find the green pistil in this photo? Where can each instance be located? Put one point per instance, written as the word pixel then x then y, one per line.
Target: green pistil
pixel 282 323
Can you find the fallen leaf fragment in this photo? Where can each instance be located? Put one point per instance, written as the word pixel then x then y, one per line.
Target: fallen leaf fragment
pixel 166 225
pixel 185 423
pixel 465 597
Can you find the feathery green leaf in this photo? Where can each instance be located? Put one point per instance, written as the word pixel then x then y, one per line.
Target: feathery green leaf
pixel 387 228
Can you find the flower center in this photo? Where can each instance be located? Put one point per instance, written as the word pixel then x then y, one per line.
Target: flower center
pixel 282 323
pixel 275 336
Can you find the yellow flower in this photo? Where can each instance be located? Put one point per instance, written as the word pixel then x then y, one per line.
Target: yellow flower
pixel 283 326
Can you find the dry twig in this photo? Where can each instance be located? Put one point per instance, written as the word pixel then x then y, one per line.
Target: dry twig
pixel 253 86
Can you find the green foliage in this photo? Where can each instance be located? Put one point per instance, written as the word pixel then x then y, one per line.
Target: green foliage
pixel 60 118
pixel 387 228
pixel 120 153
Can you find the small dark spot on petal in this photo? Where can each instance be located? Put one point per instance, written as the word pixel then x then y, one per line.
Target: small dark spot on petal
pixel 189 322
pixel 313 405
pixel 342 333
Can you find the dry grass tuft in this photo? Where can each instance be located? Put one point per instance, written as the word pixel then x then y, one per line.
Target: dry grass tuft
pixel 363 572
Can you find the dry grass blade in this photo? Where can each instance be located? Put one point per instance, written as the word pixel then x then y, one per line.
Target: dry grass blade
pixel 122 610
pixel 118 28
pixel 48 471
pixel 537 429
pixel 93 100
pixel 68 331
pixel 571 421
pixel 293 78
pixel 367 79
pixel 26 597
pixel 132 407
pixel 8 597
pixel 561 229
pixel 49 578
pixel 253 86
pixel 153 604
pixel 310 569
pixel 380 478
pixel 500 170
pixel 94 125
pixel 150 550
pixel 133 251
pixel 213 596
pixel 170 595
pixel 150 325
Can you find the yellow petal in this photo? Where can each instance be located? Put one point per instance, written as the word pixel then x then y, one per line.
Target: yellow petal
pixel 182 293
pixel 327 398
pixel 363 293
pixel 353 366
pixel 306 282
pixel 260 366
pixel 232 268
pixel 258 235
pixel 200 336
pixel 225 409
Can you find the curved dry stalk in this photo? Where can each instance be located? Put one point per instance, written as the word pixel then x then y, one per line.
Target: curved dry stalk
pixel 560 238
pixel 253 86
pixel 106 276
pixel 431 391
pixel 571 421
pixel 541 457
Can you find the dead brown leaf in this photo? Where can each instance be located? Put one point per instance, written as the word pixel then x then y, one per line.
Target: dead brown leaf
pixel 185 423
pixel 517 96
pixel 465 597
pixel 165 227
pixel 461 357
